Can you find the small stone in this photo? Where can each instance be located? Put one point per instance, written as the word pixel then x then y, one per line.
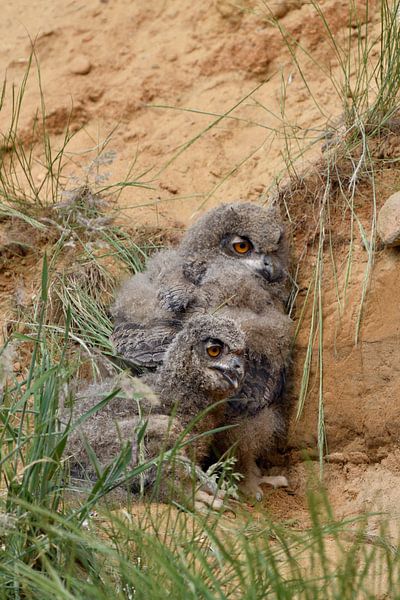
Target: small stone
pixel 45 33
pixel 80 65
pixel 18 62
pixel 336 457
pixel 17 366
pixel 358 458
pixel 169 188
pixel 94 95
pixel 279 9
pixel 382 453
pixel 388 225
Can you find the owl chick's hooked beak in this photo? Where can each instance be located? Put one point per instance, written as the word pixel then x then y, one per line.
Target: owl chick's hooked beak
pixel 272 269
pixel 266 266
pixel 232 371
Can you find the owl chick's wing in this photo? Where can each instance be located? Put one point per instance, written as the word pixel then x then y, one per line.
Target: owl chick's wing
pixel 144 346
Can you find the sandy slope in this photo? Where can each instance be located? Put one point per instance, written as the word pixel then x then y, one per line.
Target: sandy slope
pixel 110 62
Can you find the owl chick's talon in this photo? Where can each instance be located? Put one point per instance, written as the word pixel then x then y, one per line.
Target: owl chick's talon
pixel 276 481
pixel 208 500
pixel 251 487
pixel 210 487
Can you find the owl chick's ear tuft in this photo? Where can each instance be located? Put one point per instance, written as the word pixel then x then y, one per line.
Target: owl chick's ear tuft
pixel 274 211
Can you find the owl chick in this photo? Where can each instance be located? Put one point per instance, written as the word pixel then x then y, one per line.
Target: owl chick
pixel 203 365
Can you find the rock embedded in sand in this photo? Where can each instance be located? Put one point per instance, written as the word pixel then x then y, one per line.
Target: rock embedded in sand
pixel 336 457
pixel 354 457
pixel 358 458
pixel 80 65
pixel 388 224
pixel 280 8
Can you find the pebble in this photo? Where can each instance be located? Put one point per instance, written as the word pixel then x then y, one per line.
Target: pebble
pixel 80 65
pixel 356 458
pixel 95 94
pixel 388 224
pixel 279 9
pixel 336 457
pixel 17 366
pixel 18 62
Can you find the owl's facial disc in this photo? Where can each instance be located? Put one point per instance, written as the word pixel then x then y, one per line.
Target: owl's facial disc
pixel 266 265
pixel 228 366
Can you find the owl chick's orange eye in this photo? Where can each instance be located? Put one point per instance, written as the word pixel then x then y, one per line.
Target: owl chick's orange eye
pixel 214 351
pixel 242 247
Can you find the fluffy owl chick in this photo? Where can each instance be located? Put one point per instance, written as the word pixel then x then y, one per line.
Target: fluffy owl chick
pixel 151 307
pixel 203 365
pixel 239 233
pixel 256 412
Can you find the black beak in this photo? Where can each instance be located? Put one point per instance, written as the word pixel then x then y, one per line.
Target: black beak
pixel 231 377
pixel 272 270
pixel 233 372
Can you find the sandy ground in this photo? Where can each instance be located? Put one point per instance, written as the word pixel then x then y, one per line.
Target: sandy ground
pixel 154 78
pixel 114 64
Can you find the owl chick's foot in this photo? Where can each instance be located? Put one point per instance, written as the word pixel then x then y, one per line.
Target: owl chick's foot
pixel 208 494
pixel 251 486
pixel 205 500
pixel 275 480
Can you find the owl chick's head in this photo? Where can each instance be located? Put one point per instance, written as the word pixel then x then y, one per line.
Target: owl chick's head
pixel 207 355
pixel 243 232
